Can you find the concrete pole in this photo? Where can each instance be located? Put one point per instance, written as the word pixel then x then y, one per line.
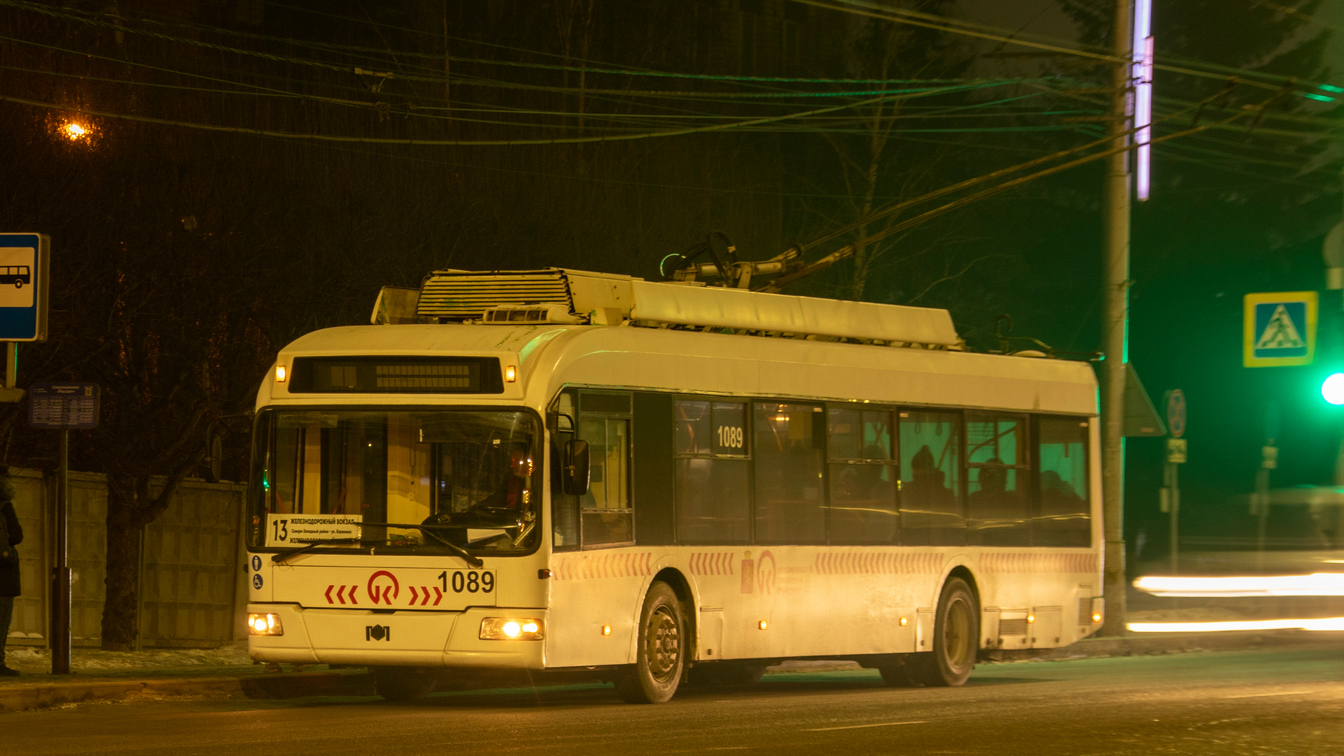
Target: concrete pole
pixel 1115 334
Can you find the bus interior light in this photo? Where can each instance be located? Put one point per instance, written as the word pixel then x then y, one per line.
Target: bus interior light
pixel 511 628
pixel 264 624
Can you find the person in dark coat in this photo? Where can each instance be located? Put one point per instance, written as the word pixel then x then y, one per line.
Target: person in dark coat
pixel 11 535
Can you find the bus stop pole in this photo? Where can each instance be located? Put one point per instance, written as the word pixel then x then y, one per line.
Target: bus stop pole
pixel 60 577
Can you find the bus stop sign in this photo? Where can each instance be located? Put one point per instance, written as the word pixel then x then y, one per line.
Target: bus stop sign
pixel 23 286
pixel 63 406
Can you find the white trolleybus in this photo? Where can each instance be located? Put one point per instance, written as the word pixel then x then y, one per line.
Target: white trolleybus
pixel 656 482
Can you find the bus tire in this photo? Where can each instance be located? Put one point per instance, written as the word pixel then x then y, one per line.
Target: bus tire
pixel 403 683
pixel 956 640
pixel 660 657
pixel 18 284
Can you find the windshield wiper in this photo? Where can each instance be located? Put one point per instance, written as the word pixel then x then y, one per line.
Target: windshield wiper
pixel 296 550
pixel 428 530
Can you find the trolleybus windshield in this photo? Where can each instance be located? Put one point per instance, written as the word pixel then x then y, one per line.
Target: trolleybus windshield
pixel 417 481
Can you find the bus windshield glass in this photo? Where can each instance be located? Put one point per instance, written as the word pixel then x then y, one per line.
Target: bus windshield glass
pixel 417 481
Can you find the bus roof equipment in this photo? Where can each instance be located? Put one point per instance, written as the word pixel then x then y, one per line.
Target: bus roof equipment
pixel 557 295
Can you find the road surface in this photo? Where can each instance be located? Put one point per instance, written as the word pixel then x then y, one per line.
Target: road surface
pixel 1284 702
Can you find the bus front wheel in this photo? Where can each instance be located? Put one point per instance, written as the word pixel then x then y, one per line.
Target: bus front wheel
pixel 956 640
pixel 660 659
pixel 18 284
pixel 403 683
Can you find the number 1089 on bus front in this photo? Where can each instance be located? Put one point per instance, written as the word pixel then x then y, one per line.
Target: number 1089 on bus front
pixel 467 581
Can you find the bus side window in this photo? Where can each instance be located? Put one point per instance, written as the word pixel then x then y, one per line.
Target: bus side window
pixel 604 422
pixel 997 481
pixel 931 513
pixel 711 469
pixel 1063 513
pixel 789 453
pixel 862 477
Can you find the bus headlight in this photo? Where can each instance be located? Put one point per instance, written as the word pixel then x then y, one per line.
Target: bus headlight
pixel 264 624
pixel 511 628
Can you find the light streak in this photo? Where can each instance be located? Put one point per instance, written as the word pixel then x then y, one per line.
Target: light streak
pixel 1319 625
pixel 1316 584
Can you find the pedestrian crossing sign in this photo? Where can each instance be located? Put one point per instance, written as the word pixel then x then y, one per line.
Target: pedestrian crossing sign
pixel 1279 329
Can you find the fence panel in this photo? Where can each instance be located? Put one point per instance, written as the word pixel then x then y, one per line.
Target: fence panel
pixel 191 590
pixel 190 570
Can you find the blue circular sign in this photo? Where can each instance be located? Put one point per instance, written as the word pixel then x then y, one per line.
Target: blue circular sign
pixel 256 563
pixel 256 581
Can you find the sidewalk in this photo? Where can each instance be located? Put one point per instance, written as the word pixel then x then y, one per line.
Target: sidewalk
pixel 229 673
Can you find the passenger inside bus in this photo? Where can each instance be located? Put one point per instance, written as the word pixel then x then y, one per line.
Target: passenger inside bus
pixel 927 492
pixel 991 497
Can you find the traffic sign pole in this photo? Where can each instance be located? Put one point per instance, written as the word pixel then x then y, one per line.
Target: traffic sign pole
pixel 1176 456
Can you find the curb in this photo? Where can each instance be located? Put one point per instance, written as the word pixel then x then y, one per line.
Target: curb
pixel 45 695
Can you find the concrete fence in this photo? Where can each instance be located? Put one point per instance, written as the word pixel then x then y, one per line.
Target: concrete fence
pixel 191 588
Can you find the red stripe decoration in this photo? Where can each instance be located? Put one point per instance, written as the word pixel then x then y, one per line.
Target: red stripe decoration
pixel 876 563
pixel 600 566
pixel 1027 562
pixel 712 563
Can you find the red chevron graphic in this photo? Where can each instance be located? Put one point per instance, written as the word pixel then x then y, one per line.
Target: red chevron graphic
pixel 438 596
pixel 340 595
pixel 353 588
pixel 413 595
pixel 328 594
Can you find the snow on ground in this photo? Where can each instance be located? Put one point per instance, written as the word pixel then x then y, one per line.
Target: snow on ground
pixel 34 660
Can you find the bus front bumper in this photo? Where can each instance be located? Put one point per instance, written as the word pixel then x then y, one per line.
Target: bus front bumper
pixel 410 638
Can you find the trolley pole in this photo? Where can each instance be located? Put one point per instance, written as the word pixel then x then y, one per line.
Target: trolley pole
pixel 1116 330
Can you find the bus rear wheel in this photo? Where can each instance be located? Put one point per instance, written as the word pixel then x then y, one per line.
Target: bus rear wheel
pixel 403 683
pixel 956 640
pixel 660 658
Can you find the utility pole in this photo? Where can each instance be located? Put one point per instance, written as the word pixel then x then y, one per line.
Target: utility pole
pixel 1115 334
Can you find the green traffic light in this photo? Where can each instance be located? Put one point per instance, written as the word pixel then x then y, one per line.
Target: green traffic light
pixel 1332 389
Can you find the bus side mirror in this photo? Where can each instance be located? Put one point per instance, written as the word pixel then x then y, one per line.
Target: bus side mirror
pixel 574 470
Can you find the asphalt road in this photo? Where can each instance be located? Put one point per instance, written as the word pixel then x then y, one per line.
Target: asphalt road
pixel 1286 702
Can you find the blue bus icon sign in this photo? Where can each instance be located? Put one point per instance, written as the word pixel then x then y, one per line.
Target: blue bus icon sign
pixel 23 286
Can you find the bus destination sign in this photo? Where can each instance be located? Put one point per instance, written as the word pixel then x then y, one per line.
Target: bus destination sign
pixel 64 406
